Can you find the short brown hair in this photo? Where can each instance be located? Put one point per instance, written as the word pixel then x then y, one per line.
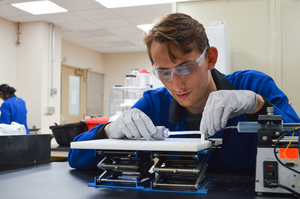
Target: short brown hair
pixel 179 28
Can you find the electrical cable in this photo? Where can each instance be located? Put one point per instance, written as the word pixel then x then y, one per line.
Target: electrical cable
pixel 275 185
pixel 275 151
pixel 289 146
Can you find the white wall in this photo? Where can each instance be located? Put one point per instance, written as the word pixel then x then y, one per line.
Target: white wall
pixel 290 45
pixel 34 73
pixel 82 57
pixel 116 67
pixel 46 98
pixel 8 52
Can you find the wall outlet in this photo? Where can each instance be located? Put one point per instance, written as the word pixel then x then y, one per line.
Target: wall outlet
pixel 49 110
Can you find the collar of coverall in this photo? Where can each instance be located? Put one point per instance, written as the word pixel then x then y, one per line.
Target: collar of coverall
pixel 176 111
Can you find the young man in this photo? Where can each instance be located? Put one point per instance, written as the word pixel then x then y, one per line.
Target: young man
pixel 196 96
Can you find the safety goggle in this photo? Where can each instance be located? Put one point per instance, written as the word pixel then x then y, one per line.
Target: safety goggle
pixel 183 70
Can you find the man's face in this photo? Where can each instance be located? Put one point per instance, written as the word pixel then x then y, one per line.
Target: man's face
pixel 192 91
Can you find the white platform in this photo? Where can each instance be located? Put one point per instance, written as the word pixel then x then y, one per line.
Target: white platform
pixel 169 144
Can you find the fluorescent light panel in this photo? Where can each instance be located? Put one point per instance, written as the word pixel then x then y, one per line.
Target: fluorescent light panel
pixel 128 3
pixel 145 27
pixel 39 7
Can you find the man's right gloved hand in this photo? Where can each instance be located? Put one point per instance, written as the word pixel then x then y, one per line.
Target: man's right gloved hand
pixel 133 124
pixel 222 105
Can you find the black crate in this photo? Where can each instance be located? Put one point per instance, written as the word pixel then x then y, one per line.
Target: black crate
pixel 24 150
pixel 65 133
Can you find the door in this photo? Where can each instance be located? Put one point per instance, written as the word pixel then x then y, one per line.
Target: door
pixel 73 94
pixel 94 102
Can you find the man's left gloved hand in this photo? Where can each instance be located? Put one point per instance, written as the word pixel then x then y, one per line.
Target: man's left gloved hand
pixel 133 124
pixel 222 105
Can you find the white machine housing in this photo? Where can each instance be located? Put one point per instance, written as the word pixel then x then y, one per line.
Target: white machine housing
pixel 285 176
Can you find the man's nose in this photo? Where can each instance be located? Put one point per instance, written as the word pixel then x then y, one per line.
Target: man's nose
pixel 178 82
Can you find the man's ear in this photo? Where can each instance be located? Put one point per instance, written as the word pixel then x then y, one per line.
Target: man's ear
pixel 212 55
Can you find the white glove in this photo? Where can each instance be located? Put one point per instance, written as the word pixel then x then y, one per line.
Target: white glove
pixel 225 104
pixel 133 124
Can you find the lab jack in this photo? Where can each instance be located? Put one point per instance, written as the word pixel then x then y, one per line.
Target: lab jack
pixel 154 171
pixel 160 165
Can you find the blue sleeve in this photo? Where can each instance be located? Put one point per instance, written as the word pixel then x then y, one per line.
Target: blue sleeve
pixel 5 114
pixel 84 158
pixel 265 86
pixel 279 100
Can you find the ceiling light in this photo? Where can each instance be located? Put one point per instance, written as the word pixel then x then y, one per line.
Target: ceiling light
pixel 39 7
pixel 145 27
pixel 128 3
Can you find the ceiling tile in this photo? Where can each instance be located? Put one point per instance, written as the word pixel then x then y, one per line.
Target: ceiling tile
pixel 3 3
pixel 144 47
pixel 125 30
pixel 29 18
pixel 79 25
pixel 18 1
pixel 108 38
pixel 138 42
pixel 96 33
pixel 94 45
pixel 142 19
pixel 133 36
pixel 81 40
pixel 91 25
pixel 130 49
pixel 119 43
pixel 133 11
pixel 78 4
pixel 107 50
pixel 10 11
pixel 96 14
pixel 162 9
pixel 111 23
pixel 63 28
pixel 61 17
pixel 70 34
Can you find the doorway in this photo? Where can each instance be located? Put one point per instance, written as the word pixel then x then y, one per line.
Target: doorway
pixel 73 94
pixel 95 96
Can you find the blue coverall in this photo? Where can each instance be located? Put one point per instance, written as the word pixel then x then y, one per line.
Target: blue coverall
pixel 13 109
pixel 238 150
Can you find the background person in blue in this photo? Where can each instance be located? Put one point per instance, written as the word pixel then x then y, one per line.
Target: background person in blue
pixel 13 109
pixel 196 96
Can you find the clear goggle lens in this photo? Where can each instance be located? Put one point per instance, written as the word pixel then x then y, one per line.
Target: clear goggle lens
pixel 183 70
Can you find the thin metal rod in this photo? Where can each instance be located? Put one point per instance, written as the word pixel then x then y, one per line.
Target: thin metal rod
pixel 118 152
pixel 118 166
pixel 175 155
pixel 115 180
pixel 175 185
pixel 53 55
pixel 176 170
